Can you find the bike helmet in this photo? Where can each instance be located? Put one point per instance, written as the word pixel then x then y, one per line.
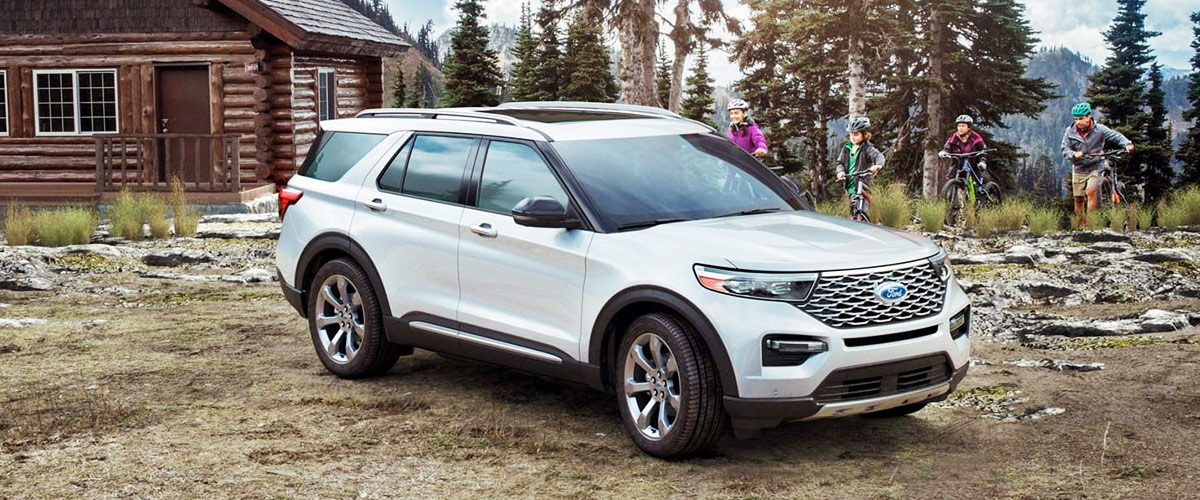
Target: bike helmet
pixel 738 104
pixel 859 124
pixel 1081 109
pixel 964 119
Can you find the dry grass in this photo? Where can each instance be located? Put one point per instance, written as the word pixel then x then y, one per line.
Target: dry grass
pixel 127 216
pixel 64 226
pixel 1116 216
pixel 894 206
pixel 156 216
pixel 1044 220
pixel 1189 202
pixel 18 224
pixel 1011 214
pixel 1172 215
pixel 988 221
pixel 38 415
pixel 185 217
pixel 839 208
pixel 932 214
pixel 1140 218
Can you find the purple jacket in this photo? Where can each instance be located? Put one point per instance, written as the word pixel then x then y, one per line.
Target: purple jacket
pixel 748 136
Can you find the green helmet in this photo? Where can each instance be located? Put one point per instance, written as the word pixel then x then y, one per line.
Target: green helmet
pixel 1081 109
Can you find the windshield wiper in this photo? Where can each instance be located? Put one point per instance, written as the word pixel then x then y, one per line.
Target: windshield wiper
pixel 647 223
pixel 752 211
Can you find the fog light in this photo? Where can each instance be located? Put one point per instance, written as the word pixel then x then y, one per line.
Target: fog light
pixel 960 324
pixel 789 346
pixel 790 350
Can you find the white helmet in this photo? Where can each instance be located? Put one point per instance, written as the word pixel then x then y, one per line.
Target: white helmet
pixel 738 104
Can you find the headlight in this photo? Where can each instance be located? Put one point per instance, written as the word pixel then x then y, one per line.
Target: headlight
pixel 785 287
pixel 941 262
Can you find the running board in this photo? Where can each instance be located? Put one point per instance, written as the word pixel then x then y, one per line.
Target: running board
pixel 484 341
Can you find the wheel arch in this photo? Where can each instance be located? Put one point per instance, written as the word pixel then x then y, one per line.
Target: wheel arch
pixel 330 246
pixel 628 305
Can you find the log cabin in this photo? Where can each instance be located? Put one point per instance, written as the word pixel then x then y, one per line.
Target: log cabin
pixel 101 95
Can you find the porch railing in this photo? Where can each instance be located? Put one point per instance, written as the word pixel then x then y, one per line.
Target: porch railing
pixel 204 162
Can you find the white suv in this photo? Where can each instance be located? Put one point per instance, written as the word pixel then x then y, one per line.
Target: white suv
pixel 620 247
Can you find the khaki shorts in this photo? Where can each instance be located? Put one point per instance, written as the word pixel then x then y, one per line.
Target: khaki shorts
pixel 1080 182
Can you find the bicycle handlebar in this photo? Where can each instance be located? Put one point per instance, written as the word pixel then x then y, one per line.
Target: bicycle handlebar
pixel 1115 152
pixel 961 155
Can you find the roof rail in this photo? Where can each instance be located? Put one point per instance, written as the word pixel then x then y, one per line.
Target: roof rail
pixel 598 106
pixel 433 114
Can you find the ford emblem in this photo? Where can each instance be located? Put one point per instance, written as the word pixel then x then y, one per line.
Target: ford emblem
pixel 890 292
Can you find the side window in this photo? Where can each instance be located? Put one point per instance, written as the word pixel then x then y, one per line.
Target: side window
pixel 436 167
pixel 513 172
pixel 394 174
pixel 335 152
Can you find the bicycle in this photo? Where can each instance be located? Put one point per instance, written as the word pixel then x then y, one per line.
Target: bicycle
pixel 860 199
pixel 1111 190
pixel 966 185
pixel 805 195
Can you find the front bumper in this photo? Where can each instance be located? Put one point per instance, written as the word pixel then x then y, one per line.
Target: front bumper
pixel 760 413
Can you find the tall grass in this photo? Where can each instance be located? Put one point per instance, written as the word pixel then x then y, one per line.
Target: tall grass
pixel 987 220
pixel 183 216
pixel 18 224
pixel 127 216
pixel 1139 217
pixel 1095 219
pixel 64 226
pixel 1115 216
pixel 156 216
pixel 894 206
pixel 1011 214
pixel 1172 215
pixel 1188 201
pixel 932 214
pixel 839 208
pixel 1044 220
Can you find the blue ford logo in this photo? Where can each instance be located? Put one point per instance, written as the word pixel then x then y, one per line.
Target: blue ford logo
pixel 890 292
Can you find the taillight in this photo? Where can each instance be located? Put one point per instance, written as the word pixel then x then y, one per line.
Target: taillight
pixel 288 197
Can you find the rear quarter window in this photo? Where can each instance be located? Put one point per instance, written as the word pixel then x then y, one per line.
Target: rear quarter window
pixel 333 153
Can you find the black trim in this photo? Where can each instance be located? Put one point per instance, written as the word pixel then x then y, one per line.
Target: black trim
pixel 294 296
pixel 891 337
pixel 401 331
pixel 603 340
pixel 341 243
pixel 582 203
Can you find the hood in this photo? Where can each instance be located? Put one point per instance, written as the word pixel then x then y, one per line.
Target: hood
pixel 794 242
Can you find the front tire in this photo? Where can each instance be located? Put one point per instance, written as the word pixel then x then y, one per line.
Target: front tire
pixel 346 323
pixel 668 392
pixel 954 192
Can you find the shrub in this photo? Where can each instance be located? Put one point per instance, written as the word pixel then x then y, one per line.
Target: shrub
pixel 1171 215
pixel 932 213
pixel 18 224
pixel 969 215
pixel 127 216
pixel 1139 217
pixel 1010 215
pixel 64 226
pixel 156 216
pixel 894 206
pixel 1188 202
pixel 1044 220
pixel 839 208
pixel 1096 219
pixel 1115 216
pixel 987 220
pixel 184 216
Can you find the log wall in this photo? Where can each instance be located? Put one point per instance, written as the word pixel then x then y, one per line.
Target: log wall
pixel 359 85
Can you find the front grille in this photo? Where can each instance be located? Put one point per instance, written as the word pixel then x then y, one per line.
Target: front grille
pixel 847 300
pixel 865 382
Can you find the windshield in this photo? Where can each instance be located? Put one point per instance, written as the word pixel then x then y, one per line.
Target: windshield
pixel 642 181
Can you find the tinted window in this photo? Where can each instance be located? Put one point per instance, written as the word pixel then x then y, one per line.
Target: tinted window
pixel 513 172
pixel 335 152
pixel 436 166
pixel 394 174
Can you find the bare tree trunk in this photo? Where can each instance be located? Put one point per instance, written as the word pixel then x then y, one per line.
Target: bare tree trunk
pixel 856 78
pixel 933 109
pixel 639 40
pixel 683 45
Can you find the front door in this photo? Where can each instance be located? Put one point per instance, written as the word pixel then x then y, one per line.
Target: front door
pixel 184 108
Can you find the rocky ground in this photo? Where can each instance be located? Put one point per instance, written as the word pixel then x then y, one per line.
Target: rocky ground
pixel 175 369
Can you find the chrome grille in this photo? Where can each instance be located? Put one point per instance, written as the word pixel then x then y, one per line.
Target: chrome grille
pixel 847 299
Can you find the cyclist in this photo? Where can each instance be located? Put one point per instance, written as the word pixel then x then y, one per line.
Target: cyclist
pixel 743 131
pixel 1081 142
pixel 857 153
pixel 965 140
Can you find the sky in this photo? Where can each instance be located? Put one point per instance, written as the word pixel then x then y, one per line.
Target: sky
pixel 1078 25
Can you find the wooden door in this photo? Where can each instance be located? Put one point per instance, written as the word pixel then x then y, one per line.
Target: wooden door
pixel 184 108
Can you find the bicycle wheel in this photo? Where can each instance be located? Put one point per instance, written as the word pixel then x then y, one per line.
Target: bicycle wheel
pixel 1105 192
pixel 991 194
pixel 954 192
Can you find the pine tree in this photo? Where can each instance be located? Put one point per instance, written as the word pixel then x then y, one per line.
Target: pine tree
pixel 662 77
pixel 1156 154
pixel 698 101
pixel 586 60
pixel 521 82
pixel 549 76
pixel 399 86
pixel 1118 89
pixel 473 76
pixel 1189 151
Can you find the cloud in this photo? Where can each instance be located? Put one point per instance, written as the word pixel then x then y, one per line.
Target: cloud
pixel 1080 24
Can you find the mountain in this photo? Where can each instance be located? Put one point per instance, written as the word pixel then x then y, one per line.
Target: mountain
pixel 502 40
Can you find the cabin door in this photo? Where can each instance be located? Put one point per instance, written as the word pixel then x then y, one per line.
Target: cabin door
pixel 184 108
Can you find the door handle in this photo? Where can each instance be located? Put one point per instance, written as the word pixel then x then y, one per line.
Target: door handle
pixel 376 205
pixel 484 230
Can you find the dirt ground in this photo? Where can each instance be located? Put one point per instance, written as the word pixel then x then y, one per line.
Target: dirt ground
pixel 212 390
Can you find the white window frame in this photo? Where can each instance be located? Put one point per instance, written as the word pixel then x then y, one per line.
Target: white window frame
pixel 37 118
pixel 332 93
pixel 7 121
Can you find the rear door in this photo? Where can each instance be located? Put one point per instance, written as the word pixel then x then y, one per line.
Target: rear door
pixel 521 285
pixel 408 220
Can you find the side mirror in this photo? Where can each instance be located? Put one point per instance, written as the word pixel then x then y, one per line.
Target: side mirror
pixel 544 211
pixel 790 184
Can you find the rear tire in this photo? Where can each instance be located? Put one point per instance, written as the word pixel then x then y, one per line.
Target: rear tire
pixel 991 194
pixel 898 411
pixel 668 392
pixel 346 323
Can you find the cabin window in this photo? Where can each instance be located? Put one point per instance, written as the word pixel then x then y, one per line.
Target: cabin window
pixel 3 103
pixel 326 94
pixel 75 102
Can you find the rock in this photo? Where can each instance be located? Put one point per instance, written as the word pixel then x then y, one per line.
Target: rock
pixel 108 251
pixel 174 276
pixel 1098 236
pixel 30 284
pixel 1041 290
pixel 976 259
pixel 978 361
pixel 250 276
pixel 1055 364
pixel 1152 321
pixel 257 231
pixel 1164 255
pixel 20 322
pixel 174 257
pixel 232 218
pixel 1110 247
pixel 1023 254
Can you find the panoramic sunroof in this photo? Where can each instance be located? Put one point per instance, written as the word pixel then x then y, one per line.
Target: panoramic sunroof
pixel 563 116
